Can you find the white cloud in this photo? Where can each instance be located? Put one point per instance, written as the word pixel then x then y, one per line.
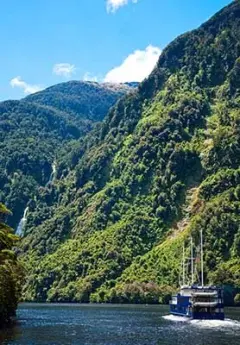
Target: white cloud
pixel 64 69
pixel 27 88
pixel 136 67
pixel 89 77
pixel 114 5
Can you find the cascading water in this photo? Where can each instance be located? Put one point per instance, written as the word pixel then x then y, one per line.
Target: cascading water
pixel 22 223
pixel 53 174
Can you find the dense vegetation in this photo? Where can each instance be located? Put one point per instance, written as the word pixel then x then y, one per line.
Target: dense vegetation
pixel 88 100
pixel 164 164
pixel 10 272
pixel 35 131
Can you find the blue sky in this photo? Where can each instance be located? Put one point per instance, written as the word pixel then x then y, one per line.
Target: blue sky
pixel 45 42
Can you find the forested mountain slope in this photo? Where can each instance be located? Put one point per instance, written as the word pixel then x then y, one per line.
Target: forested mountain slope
pixel 164 164
pixel 11 273
pixel 36 131
pixel 88 100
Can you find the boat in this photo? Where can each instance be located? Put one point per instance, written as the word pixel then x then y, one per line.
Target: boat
pixel 197 301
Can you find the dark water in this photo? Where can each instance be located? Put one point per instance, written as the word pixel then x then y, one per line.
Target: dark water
pixel 116 325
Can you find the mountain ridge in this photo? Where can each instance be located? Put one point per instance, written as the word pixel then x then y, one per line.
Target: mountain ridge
pixel 84 97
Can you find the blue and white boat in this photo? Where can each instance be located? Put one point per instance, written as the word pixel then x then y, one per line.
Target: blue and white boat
pixel 197 301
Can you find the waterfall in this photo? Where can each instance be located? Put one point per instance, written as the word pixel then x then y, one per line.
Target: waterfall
pixel 22 223
pixel 53 174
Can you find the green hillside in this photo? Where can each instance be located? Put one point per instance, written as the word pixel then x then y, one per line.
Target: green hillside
pixel 88 100
pixel 164 164
pixel 36 132
pixel 11 273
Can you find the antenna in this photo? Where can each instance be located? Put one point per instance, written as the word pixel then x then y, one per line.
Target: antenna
pixel 192 261
pixel 202 281
pixel 179 276
pixel 183 264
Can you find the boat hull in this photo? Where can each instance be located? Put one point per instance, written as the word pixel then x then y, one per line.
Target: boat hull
pixel 206 316
pixel 200 316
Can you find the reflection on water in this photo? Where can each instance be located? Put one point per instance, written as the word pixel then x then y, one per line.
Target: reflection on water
pixel 116 325
pixel 10 334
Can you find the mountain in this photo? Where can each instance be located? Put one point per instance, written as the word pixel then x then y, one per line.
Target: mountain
pixel 163 165
pixel 35 131
pixel 89 100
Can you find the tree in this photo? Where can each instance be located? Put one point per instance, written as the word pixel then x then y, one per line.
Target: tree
pixel 10 271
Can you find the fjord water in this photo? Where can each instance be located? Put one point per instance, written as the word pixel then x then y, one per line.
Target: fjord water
pixel 42 324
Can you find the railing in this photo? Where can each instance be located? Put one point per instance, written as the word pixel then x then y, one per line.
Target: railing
pixel 205 304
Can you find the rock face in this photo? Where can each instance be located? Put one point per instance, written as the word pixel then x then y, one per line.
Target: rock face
pixel 164 164
pixel 35 130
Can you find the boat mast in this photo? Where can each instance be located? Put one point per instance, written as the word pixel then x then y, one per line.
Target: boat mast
pixel 202 281
pixel 183 264
pixel 192 261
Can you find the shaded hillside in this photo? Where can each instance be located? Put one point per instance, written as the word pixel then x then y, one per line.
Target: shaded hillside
pixel 11 274
pixel 36 131
pixel 89 100
pixel 164 163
